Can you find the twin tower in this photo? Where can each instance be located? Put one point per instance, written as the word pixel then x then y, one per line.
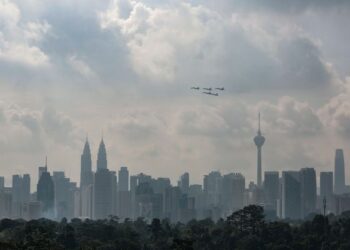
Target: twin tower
pixel 86 174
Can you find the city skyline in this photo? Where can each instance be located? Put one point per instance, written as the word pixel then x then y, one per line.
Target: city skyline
pixel 74 68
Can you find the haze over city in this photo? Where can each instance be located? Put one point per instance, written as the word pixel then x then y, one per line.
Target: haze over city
pixel 124 69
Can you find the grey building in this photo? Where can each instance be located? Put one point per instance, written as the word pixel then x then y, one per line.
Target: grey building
pixel 271 189
pixel 339 172
pixel 123 176
pixel 308 191
pixel 46 195
pixel 291 195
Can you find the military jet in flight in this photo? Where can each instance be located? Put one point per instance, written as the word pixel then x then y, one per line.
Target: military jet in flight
pixel 196 88
pixel 221 89
pixel 210 93
pixel 209 89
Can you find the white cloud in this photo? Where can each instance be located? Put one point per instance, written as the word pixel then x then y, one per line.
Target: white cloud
pixel 18 39
pixel 80 67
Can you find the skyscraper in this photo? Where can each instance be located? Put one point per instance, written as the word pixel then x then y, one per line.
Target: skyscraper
pixel 291 198
pixel 184 182
pixel 123 175
pixel 233 188
pixel 326 184
pixel 86 176
pixel 104 194
pixel 271 189
pixel 339 172
pixel 102 156
pixel 259 141
pixel 326 190
pixel 46 194
pixel 308 191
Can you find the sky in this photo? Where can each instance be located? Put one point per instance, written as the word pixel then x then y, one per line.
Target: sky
pixel 122 69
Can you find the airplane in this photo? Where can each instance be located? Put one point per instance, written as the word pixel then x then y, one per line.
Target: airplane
pixel 209 93
pixel 221 89
pixel 209 89
pixel 196 88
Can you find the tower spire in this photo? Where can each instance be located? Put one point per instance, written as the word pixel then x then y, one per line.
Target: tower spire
pixel 259 141
pixel 259 131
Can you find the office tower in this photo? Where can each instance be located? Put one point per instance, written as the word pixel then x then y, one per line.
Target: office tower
pixel 64 195
pixel 26 188
pixel 46 195
pixel 212 188
pixel 5 202
pixel 31 210
pixel 326 190
pixel 184 182
pixel 144 201
pixel 16 196
pixel 172 197
pixel 233 188
pixel 308 191
pixel 42 169
pixel 339 172
pixel 326 185
pixel 86 175
pixel 2 182
pixel 196 192
pixel 271 189
pixel 123 175
pixel 160 184
pixel 104 194
pixel 259 141
pixel 20 194
pixel 291 197
pixel 102 156
pixel 86 206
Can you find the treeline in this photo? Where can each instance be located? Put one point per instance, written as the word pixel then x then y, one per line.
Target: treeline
pixel 245 229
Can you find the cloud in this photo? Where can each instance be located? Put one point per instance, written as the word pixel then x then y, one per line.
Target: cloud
pixel 175 42
pixel 290 117
pixel 18 39
pixel 80 67
pixel 336 113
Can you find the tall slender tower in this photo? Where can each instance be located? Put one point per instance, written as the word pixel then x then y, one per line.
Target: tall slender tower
pixel 339 172
pixel 86 166
pixel 102 156
pixel 259 142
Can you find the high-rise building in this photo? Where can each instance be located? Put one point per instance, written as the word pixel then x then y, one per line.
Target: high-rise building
pixel 184 182
pixel 339 172
pixel 326 185
pixel 104 194
pixel 271 189
pixel 42 169
pixel 46 195
pixel 5 202
pixel 172 197
pixel 104 187
pixel 259 141
pixel 291 197
pixel 2 182
pixel 123 176
pixel 26 188
pixel 212 184
pixel 326 191
pixel 86 205
pixel 102 156
pixel 20 194
pixel 86 175
pixel 64 192
pixel 233 188
pixel 308 191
